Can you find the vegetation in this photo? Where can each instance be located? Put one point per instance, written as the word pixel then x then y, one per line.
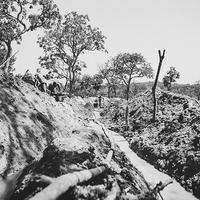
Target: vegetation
pixel 170 78
pixel 107 72
pixel 18 17
pixel 122 69
pixel 65 42
pixel 129 66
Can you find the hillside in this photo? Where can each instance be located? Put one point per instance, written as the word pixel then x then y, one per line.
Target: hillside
pixel 44 139
pixel 172 143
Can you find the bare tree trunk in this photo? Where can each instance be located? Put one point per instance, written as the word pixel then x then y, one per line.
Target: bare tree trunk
pixel 161 57
pixel 127 117
pixel 65 86
pixel 5 64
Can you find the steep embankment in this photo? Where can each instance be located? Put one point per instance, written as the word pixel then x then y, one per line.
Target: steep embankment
pixel 54 138
pixel 30 120
pixel 172 143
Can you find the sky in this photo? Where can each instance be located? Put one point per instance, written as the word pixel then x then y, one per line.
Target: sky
pixel 133 26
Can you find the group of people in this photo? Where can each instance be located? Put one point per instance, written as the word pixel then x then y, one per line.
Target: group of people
pixel 99 102
pixel 40 82
pixel 51 87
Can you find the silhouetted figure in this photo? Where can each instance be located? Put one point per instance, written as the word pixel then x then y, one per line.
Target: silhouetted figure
pixel 2 150
pixel 54 88
pixel 95 103
pixel 100 98
pixel 40 81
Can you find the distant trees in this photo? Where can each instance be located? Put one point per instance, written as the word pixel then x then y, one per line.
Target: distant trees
pixel 18 17
pixel 97 82
pixel 129 66
pixel 107 72
pixel 88 85
pixel 122 69
pixel 170 78
pixel 64 44
pixel 85 85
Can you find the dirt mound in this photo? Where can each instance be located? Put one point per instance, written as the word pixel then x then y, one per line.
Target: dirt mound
pixel 47 139
pixel 172 143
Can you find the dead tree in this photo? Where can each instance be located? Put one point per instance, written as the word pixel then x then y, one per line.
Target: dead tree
pixel 161 57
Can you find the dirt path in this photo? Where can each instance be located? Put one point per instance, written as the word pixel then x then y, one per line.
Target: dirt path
pixel 172 192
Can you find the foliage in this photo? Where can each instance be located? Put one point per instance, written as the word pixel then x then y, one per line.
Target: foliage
pixel 129 66
pixel 170 78
pixel 197 89
pixel 107 72
pixel 20 16
pixel 97 82
pixel 64 44
pixel 85 84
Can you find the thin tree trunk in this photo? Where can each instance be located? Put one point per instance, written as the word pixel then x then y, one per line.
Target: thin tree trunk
pixel 127 108
pixel 66 80
pixel 161 57
pixel 127 117
pixel 6 63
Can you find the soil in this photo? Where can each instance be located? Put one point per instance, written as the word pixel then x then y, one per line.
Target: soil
pixel 44 139
pixel 172 142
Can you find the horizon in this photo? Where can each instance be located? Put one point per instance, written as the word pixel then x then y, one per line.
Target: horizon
pixel 135 27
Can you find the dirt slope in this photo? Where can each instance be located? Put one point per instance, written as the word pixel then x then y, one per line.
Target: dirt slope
pixel 30 120
pixel 172 143
pixel 54 138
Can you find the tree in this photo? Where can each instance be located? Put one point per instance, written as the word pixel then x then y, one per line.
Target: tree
pixel 170 78
pixel 85 85
pixel 97 82
pixel 127 67
pixel 64 44
pixel 20 16
pixel 107 72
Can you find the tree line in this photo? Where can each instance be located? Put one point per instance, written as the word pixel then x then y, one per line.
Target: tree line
pixel 65 39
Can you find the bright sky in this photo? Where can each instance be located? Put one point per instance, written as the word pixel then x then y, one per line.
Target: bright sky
pixel 134 26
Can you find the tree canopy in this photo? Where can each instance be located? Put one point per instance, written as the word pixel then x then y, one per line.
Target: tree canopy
pixel 20 16
pixel 129 66
pixel 107 72
pixel 170 78
pixel 64 44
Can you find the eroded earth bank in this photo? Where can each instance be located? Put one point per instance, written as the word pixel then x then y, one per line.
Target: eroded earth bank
pixel 42 140
pixel 171 143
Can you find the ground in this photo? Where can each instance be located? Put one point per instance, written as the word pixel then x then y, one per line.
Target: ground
pixel 172 142
pixel 45 139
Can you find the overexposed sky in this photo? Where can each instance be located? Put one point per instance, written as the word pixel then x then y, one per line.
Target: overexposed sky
pixel 134 26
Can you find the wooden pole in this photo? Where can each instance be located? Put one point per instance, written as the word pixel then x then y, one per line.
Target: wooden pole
pixel 161 57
